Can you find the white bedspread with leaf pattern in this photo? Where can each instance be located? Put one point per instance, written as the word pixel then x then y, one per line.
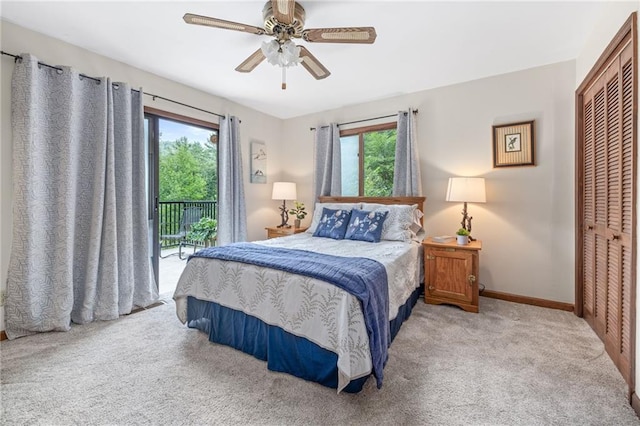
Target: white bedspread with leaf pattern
pixel 303 306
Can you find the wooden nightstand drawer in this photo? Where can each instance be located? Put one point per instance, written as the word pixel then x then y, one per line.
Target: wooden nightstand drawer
pixel 275 232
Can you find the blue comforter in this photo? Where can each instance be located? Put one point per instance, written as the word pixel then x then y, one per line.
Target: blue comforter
pixel 366 279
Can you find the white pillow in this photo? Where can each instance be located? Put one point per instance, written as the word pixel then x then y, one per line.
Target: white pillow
pixel 420 236
pixel 317 212
pixel 416 226
pixel 397 226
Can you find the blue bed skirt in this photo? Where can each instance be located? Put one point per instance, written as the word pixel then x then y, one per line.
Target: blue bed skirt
pixel 283 351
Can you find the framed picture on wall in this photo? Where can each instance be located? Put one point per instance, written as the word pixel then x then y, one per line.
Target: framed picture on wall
pixel 513 144
pixel 258 162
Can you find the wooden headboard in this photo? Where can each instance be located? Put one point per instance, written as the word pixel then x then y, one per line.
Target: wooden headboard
pixel 376 200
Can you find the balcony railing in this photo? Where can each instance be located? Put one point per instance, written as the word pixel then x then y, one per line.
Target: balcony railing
pixel 170 217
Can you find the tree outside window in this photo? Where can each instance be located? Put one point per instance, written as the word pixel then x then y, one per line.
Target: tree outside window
pixel 188 171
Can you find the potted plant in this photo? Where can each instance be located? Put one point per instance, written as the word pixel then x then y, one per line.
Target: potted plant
pixel 463 236
pixel 299 212
pixel 204 231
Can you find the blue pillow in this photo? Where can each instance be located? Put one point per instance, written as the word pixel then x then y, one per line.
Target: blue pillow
pixel 333 224
pixel 365 225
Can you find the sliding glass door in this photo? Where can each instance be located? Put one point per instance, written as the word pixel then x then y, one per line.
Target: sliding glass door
pixel 183 188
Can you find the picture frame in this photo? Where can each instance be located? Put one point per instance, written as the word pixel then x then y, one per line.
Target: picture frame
pixel 258 163
pixel 513 144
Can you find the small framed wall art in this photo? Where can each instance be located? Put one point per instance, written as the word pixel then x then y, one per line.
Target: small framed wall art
pixel 258 162
pixel 513 144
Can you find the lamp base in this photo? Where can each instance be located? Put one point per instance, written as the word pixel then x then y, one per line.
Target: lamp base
pixel 466 221
pixel 284 215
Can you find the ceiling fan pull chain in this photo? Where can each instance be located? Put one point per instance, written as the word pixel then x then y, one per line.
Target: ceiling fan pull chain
pixel 284 78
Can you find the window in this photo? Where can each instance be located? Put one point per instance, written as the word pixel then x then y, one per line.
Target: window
pixel 368 155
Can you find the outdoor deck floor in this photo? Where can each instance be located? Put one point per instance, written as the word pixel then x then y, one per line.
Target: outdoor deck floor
pixel 170 269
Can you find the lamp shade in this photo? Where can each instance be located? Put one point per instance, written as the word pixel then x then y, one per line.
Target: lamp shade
pixel 284 191
pixel 466 189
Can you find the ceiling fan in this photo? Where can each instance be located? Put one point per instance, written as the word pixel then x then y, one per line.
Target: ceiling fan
pixel 284 20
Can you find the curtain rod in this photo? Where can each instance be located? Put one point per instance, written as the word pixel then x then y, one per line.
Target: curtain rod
pixel 364 119
pixel 154 97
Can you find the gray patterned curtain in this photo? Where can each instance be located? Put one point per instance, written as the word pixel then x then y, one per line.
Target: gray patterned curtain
pixel 328 177
pixel 80 247
pixel 232 215
pixel 406 174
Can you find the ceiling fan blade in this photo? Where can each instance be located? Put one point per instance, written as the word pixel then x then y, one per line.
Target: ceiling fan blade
pixel 283 10
pixel 251 62
pixel 190 18
pixel 312 65
pixel 363 35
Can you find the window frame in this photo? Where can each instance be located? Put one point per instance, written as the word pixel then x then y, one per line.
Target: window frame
pixel 360 131
pixel 178 118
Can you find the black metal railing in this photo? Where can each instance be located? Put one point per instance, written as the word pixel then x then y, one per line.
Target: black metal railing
pixel 170 217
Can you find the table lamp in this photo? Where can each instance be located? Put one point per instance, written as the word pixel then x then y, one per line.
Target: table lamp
pixel 466 190
pixel 284 191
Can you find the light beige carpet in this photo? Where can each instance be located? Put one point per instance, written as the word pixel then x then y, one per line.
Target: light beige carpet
pixel 509 365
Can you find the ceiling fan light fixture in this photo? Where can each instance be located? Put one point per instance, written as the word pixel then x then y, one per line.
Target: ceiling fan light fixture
pixel 284 55
pixel 270 51
pixel 290 53
pixel 284 20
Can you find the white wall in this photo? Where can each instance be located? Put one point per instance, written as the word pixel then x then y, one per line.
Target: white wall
pixel 261 210
pixel 611 19
pixel 526 226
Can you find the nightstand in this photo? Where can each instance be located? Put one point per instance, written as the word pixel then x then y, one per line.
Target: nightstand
pixel 451 273
pixel 274 232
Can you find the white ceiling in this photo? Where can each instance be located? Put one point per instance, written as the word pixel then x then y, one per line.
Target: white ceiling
pixel 420 44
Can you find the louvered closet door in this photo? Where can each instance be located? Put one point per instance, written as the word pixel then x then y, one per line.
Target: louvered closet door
pixel 608 197
pixel 593 178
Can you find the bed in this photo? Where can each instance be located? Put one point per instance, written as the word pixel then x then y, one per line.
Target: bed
pixel 291 302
